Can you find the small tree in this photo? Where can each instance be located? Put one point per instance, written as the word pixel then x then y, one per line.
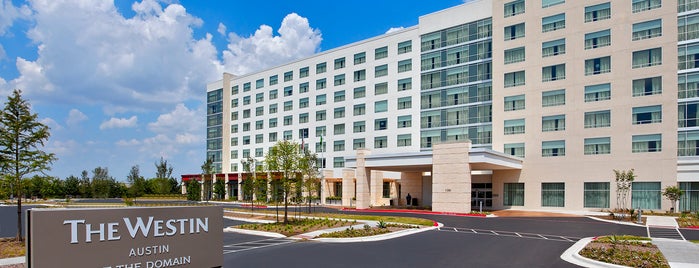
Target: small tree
pixel 220 189
pixel 193 190
pixel 309 170
pixel 284 158
pixel 22 137
pixel 207 171
pixel 249 165
pixel 673 193
pixel 624 180
pixel 138 183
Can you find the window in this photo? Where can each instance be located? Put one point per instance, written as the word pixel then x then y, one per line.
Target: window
pixel 405 65
pixel 259 97
pixel 598 66
pixel 359 58
pixel 598 39
pixel 358 144
pixel 514 126
pixel 553 73
pixel 320 84
pixel 553 48
pixel 514 79
pixel 514 31
pixel 380 106
pixel 404 140
pixel 234 116
pixel 688 85
pixel 645 195
pixel 646 143
pixel 259 111
pixel 273 108
pixel 596 195
pixel 273 94
pixel 386 190
pixel 405 121
pixel 339 96
pixel 340 63
pixel 320 115
pixel 273 80
pixel 338 162
pixel 647 86
pixel 381 70
pixel 513 103
pixel 272 122
pixel 260 83
pixel 553 98
pixel 381 142
pixel 320 99
pixel 514 55
pixel 688 143
pixel 548 3
pixel 690 199
pixel 380 53
pixel 553 148
pixel 246 100
pixel 553 123
pixel 647 29
pixel 246 153
pixel 320 131
pixel 648 57
pixel 234 90
pixel 288 120
pixel 303 72
pixel 234 154
pixel 433 60
pixel 259 138
pixel 598 12
pixel 405 47
pixel 234 103
pixel 553 194
pixel 339 129
pixel 339 112
pixel 303 118
pixel 513 194
pixel 303 87
pixel 553 23
pixel 246 140
pixel 359 75
pixel 598 92
pixel 597 146
pixel 246 113
pixel 288 105
pixel 688 56
pixel 338 146
pixel 684 6
pixel 246 87
pixel 405 103
pixel 381 88
pixel 303 103
pixel 514 8
pixel 688 114
pixel 234 128
pixel 359 109
pixel 643 5
pixel 380 124
pixel 359 92
pixel 288 91
pixel 598 119
pixel 405 84
pixel 688 27
pixel 321 68
pixel 359 127
pixel 339 80
pixel 515 149
pixel 647 114
pixel 288 76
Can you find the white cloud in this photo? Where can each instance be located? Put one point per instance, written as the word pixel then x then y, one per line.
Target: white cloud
pixel 394 29
pixel 9 13
pixel 52 124
pixel 221 28
pixel 3 55
pixel 181 119
pixel 131 142
pixel 263 49
pixel 102 58
pixel 119 123
pixel 75 116
pixel 62 147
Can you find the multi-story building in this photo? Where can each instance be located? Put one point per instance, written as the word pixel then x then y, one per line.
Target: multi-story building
pixel 540 99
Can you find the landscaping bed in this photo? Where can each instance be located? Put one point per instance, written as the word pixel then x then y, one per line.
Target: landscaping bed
pixel 382 228
pixel 9 248
pixel 625 250
pixel 298 226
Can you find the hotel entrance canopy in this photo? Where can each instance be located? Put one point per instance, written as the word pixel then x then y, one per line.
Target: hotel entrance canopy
pixel 479 159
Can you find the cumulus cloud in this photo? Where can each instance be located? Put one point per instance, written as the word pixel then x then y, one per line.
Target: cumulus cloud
pixel 394 29
pixel 131 142
pixel 63 147
pixel 119 123
pixel 263 49
pixel 10 13
pixel 52 124
pixel 75 116
pixel 2 52
pixel 221 28
pixel 89 53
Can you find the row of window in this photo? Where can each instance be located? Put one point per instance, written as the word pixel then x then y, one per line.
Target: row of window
pixel 599 11
pixel 640 59
pixel 592 146
pixel 644 195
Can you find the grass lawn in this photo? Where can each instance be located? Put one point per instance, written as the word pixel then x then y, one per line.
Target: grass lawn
pixel 9 248
pixel 625 250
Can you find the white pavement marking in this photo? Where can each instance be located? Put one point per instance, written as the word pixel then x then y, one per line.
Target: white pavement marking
pixel 518 234
pixel 543 237
pixel 474 231
pixel 456 230
pixel 494 233
pixel 255 245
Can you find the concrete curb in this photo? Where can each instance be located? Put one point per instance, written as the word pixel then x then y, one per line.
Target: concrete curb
pixel 248 220
pixel 616 222
pixel 10 261
pixel 374 238
pixel 252 232
pixel 571 255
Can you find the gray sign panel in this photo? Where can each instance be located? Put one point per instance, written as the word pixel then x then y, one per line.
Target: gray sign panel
pixel 125 237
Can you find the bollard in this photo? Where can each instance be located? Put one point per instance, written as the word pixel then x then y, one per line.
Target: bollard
pixel 638 218
pixel 480 206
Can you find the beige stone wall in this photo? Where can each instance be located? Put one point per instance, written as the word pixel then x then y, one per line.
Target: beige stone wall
pixel 451 177
pixel 347 187
pixel 411 183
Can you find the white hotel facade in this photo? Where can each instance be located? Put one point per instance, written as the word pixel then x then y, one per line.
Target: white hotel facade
pixel 525 104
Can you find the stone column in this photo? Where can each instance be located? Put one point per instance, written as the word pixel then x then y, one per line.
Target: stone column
pixel 451 177
pixel 324 186
pixel 363 180
pixel 240 187
pixel 347 187
pixel 376 189
pixel 411 183
pixel 227 186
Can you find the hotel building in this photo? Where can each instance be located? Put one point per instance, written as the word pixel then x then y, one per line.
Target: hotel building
pixel 525 104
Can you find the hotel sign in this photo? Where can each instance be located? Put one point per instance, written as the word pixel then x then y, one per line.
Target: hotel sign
pixel 125 237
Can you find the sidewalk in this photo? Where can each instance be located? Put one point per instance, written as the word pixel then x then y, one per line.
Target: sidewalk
pixel 679 253
pixel 661 222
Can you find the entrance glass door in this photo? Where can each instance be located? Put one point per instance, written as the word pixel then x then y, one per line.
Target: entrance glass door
pixel 481 192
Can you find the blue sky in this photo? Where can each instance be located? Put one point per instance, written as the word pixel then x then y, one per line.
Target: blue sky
pixel 122 83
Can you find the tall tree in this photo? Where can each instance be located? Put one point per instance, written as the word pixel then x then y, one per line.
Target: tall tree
pixel 72 186
pixel 101 182
pixel 166 184
pixel 22 139
pixel 193 190
pixel 207 171
pixel 138 183
pixel 284 158
pixel 308 165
